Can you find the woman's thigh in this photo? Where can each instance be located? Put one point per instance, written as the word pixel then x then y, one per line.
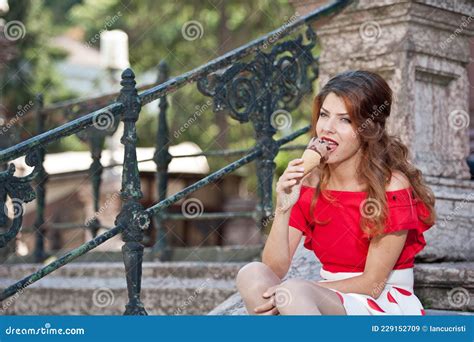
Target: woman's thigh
pixel 305 291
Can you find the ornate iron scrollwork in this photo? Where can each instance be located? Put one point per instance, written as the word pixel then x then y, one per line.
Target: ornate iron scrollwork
pixel 19 190
pixel 283 72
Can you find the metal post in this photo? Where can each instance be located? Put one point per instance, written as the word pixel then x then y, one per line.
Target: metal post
pixel 264 131
pixel 132 216
pixel 41 180
pixel 96 143
pixel 162 158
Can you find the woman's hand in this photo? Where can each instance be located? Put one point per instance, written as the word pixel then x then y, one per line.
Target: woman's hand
pixel 268 308
pixel 288 186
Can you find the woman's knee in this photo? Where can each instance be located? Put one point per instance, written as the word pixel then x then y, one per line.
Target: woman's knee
pixel 254 274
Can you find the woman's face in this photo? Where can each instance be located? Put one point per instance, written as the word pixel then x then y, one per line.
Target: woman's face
pixel 335 124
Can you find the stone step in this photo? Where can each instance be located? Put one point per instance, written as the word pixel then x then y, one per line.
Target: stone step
pixel 169 288
pixel 185 269
pixel 430 312
pixel 108 296
pixel 445 285
pixel 234 253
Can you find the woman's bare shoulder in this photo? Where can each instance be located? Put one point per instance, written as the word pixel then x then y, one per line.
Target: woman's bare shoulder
pixel 311 179
pixel 398 181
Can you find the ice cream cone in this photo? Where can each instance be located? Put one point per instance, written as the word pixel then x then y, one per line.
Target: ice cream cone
pixel 311 159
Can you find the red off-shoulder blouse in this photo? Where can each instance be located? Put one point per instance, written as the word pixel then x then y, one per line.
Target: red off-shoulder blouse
pixel 340 245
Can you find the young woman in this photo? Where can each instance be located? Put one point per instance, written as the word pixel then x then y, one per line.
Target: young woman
pixel 362 210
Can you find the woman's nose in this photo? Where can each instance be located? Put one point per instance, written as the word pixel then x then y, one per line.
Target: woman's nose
pixel 328 126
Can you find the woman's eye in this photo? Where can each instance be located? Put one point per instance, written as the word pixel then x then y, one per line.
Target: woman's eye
pixel 347 120
pixel 323 114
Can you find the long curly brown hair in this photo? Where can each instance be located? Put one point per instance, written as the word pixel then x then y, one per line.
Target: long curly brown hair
pixel 368 99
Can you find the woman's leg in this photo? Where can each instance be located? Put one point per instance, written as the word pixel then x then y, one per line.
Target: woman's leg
pixel 252 281
pixel 304 297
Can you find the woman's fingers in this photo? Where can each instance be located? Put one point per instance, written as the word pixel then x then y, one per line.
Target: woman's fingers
pixel 270 291
pixel 272 312
pixel 296 168
pixel 295 162
pixel 292 175
pixel 287 173
pixel 268 308
pixel 293 170
pixel 270 304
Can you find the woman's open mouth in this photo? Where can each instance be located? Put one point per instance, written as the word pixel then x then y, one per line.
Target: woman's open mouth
pixel 331 143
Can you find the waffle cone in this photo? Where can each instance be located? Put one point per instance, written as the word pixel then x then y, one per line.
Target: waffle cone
pixel 311 159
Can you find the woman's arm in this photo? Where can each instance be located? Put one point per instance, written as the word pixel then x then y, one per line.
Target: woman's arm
pixel 281 244
pixel 384 252
pixel 282 241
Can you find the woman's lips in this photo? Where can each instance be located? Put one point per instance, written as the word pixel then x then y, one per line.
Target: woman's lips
pixel 329 140
pixel 332 145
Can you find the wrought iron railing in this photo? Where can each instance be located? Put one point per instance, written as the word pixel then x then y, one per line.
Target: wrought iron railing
pixel 247 90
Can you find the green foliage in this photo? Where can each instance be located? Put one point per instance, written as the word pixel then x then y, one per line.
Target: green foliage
pixel 58 9
pixel 155 33
pixel 31 71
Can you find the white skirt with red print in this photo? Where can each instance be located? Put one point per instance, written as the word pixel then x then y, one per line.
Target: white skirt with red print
pixel 397 297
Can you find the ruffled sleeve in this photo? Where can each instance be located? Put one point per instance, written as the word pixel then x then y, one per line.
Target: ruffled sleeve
pixel 404 214
pixel 299 221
